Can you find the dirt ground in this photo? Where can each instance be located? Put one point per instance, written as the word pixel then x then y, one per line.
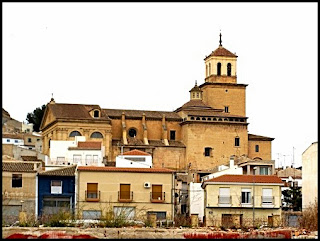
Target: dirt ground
pixel 131 232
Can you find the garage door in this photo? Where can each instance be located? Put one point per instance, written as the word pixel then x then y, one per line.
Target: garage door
pixel 10 213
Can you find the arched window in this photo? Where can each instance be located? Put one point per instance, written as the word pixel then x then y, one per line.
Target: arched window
pixel 96 135
pixel 219 69
pixel 209 69
pixel 96 113
pixel 229 69
pixel 132 132
pixel 74 133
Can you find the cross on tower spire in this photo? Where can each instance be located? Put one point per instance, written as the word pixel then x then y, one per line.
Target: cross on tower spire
pixel 220 41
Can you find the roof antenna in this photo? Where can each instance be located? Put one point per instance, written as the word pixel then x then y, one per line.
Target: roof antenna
pixel 220 41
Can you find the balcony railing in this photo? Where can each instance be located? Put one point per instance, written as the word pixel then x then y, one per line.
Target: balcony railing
pixel 70 161
pixel 157 197
pixel 125 196
pixel 224 199
pixel 267 200
pixel 92 196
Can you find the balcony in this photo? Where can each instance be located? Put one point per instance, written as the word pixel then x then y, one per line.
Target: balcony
pixel 157 197
pixel 267 201
pixel 224 201
pixel 92 196
pixel 125 197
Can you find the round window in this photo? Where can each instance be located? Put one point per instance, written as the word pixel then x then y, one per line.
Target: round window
pixel 132 132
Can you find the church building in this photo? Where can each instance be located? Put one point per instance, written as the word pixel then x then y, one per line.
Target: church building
pixel 201 134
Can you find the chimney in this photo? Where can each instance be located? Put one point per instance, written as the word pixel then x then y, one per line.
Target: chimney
pixel 231 163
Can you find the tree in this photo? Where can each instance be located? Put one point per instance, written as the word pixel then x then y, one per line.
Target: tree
pixel 35 117
pixel 293 198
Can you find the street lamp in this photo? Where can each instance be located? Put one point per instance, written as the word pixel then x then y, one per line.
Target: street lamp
pixel 253 203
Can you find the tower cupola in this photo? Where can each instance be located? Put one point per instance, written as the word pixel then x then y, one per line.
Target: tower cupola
pixel 195 93
pixel 221 66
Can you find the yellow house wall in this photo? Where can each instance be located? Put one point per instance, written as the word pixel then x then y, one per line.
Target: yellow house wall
pixel 264 149
pixel 14 196
pixel 217 97
pixel 109 185
pixel 213 211
pixel 220 137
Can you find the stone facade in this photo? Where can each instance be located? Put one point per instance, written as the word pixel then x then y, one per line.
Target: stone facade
pixel 200 135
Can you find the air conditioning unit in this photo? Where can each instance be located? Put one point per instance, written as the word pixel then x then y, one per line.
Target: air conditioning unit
pixel 147 185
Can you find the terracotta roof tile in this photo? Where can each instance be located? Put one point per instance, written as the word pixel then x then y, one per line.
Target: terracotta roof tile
pixel 124 169
pixel 30 158
pixel 117 113
pixel 136 152
pixel 19 166
pixel 221 51
pixel 94 144
pixel 75 111
pixel 12 135
pixel 65 171
pixel 247 179
pixel 259 138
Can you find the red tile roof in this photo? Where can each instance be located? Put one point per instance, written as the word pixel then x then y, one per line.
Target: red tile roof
pixel 136 152
pixel 64 171
pixel 93 144
pixel 19 166
pixel 247 179
pixel 221 51
pixel 124 169
pixel 259 138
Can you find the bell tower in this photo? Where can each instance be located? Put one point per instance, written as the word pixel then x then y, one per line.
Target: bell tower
pixel 220 89
pixel 221 66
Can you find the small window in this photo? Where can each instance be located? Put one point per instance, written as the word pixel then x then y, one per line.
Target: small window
pixel 229 69
pixel 74 133
pixel 257 148
pixel 15 141
pixel 16 180
pixel 209 69
pixel 207 151
pixel 264 171
pixel 172 135
pixel 237 141
pixel 96 114
pixel 193 95
pixel 29 140
pixel 91 214
pixel 56 187
pixel 246 195
pixel 226 109
pixel 132 132
pixel 38 139
pixel 77 159
pixel 197 95
pixel 8 140
pixel 219 69
pixel 28 130
pixel 96 135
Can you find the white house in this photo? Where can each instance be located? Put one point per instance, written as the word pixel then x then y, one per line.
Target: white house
pixel 79 151
pixel 134 158
pixel 196 193
pixel 310 175
pixel 11 138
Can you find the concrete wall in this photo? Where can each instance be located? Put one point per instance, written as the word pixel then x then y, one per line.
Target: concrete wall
pixel 196 197
pixel 310 175
pixel 24 197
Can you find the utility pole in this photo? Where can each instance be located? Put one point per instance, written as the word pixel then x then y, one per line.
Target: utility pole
pixel 253 202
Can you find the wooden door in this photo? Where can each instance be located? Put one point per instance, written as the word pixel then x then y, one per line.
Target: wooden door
pixel 157 192
pixel 125 191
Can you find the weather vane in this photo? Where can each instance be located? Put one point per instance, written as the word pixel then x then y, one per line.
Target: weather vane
pixel 220 41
